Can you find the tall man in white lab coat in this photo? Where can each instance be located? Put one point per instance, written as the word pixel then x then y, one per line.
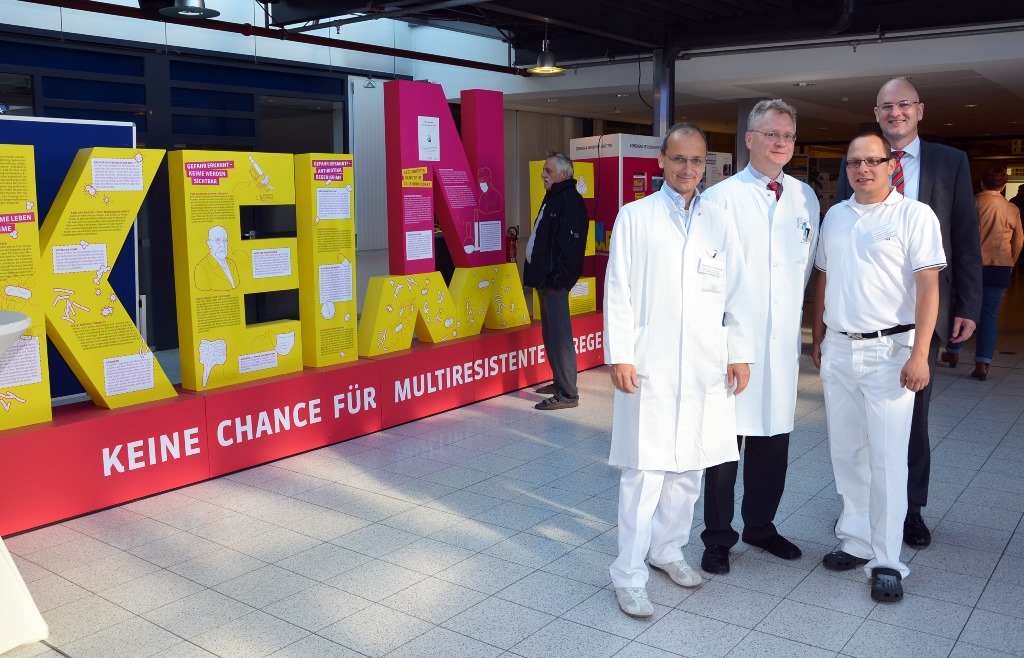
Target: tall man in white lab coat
pixel 777 219
pixel 678 317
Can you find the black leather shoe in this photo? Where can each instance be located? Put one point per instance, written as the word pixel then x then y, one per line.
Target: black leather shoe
pixel 915 532
pixel 715 559
pixel 778 546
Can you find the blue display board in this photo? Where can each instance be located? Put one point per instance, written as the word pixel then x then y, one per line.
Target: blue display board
pixel 57 142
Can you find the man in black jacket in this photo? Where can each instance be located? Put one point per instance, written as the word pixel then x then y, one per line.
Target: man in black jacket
pixel 939 176
pixel 554 262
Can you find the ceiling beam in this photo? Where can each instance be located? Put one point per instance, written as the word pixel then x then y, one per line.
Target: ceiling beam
pixel 385 12
pixel 569 25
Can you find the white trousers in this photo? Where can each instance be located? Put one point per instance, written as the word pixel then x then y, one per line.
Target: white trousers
pixel 655 515
pixel 869 416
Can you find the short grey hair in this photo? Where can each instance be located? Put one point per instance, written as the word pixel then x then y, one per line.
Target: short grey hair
pixel 682 129
pixel 562 162
pixel 776 105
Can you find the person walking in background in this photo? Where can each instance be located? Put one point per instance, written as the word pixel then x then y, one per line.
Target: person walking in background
pixel 939 176
pixel 999 226
pixel 554 263
pixel 776 218
pixel 678 318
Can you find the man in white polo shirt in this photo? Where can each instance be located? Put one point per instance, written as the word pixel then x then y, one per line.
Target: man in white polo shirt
pixel 878 256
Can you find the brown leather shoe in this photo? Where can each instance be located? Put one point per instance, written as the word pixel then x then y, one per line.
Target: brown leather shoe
pixel 950 358
pixel 980 371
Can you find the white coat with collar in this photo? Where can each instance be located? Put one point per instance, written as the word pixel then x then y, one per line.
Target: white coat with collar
pixel 677 307
pixel 778 240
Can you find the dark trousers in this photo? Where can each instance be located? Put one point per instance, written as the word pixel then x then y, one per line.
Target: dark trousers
pixel 764 477
pixel 556 327
pixel 919 452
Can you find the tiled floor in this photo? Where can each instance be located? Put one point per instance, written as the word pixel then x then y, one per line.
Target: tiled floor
pixel 488 531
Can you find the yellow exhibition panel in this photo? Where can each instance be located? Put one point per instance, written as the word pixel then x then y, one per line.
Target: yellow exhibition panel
pixel 214 268
pixel 326 227
pixel 24 373
pixel 81 238
pixel 398 306
pixel 488 296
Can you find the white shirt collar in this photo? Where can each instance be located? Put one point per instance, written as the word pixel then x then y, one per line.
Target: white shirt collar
pixel 764 178
pixel 913 149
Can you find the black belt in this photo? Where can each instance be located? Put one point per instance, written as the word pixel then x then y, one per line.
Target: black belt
pixel 898 329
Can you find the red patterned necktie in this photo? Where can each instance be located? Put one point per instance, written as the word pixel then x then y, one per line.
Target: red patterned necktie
pixel 897 173
pixel 776 187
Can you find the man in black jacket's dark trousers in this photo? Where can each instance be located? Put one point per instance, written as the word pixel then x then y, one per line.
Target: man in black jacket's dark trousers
pixel 554 262
pixel 939 176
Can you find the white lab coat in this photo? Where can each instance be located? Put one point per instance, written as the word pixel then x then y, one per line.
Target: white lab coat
pixel 779 255
pixel 679 324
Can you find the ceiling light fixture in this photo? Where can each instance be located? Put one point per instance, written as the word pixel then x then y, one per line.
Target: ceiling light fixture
pixel 189 9
pixel 970 105
pixel 622 95
pixel 803 84
pixel 546 59
pixel 552 100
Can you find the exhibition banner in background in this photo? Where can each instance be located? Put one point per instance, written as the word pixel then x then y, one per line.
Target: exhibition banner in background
pixel 326 230
pixel 214 268
pixel 24 372
pixel 432 172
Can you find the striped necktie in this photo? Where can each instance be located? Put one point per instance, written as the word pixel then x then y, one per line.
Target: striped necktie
pixel 897 173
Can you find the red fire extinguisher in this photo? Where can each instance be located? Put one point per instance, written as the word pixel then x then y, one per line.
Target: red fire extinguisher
pixel 511 236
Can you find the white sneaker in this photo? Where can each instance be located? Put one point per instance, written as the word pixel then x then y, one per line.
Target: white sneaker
pixel 680 572
pixel 634 601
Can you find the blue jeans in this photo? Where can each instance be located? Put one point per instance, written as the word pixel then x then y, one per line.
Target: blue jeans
pixel 988 327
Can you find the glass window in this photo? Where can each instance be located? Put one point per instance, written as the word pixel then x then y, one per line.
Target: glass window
pixel 93 90
pixel 16 94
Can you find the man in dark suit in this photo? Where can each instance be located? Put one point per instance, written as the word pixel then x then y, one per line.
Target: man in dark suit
pixel 939 176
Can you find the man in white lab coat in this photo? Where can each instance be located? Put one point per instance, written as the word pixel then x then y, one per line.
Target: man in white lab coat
pixel 777 218
pixel 678 317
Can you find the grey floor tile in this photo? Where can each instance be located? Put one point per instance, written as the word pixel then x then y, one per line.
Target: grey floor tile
pixel 970 535
pixel 570 528
pixel 985 516
pixel 498 622
pixel 314 646
pixel 174 549
pixel 1010 570
pixel 423 521
pixel 553 499
pixel 967 650
pixel 184 650
pixel 109 572
pixel 762 645
pixel 33 650
pixel 473 535
pixel 959 559
pixel 514 516
pixel 601 611
pixel 252 636
pixel 583 565
pixel 442 642
pixel 232 529
pixel 52 591
pixel 923 614
pixel 427 556
pixel 30 571
pixel 317 607
pixel 693 635
pixel 138 532
pixel 325 524
pixel 945 585
pixel 768 577
pixel 376 630
pixel 433 600
pixel 485 573
pixel 133 638
pixel 217 566
pixel 72 554
pixel 151 591
pixel 376 540
pixel 529 550
pixel 323 562
pixel 82 617
pixel 275 544
pixel 826 590
pixel 463 503
pixel 548 593
pixel 995 631
pixel 730 604
pixel 197 613
pixel 1004 598
pixel 638 650
pixel 878 640
pixel 809 624
pixel 376 580
pixel 568 640
pixel 263 586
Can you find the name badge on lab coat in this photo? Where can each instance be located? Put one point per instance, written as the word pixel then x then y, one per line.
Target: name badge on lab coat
pixel 711 264
pixel 804 225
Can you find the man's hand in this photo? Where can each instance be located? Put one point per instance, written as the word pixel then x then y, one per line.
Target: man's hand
pixel 915 375
pixel 963 328
pixel 816 354
pixel 624 377
pixel 739 375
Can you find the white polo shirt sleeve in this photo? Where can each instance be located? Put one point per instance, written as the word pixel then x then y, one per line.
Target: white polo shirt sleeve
pixel 924 238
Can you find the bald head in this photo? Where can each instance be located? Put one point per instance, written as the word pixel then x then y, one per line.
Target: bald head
pixel 898 109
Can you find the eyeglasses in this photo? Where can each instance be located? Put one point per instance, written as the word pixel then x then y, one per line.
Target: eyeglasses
pixel 903 105
pixel 681 160
pixel 871 162
pixel 776 136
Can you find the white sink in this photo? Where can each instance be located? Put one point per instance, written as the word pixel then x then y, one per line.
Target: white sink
pixel 12 326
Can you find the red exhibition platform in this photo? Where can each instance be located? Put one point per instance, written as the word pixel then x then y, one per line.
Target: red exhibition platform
pixel 88 458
